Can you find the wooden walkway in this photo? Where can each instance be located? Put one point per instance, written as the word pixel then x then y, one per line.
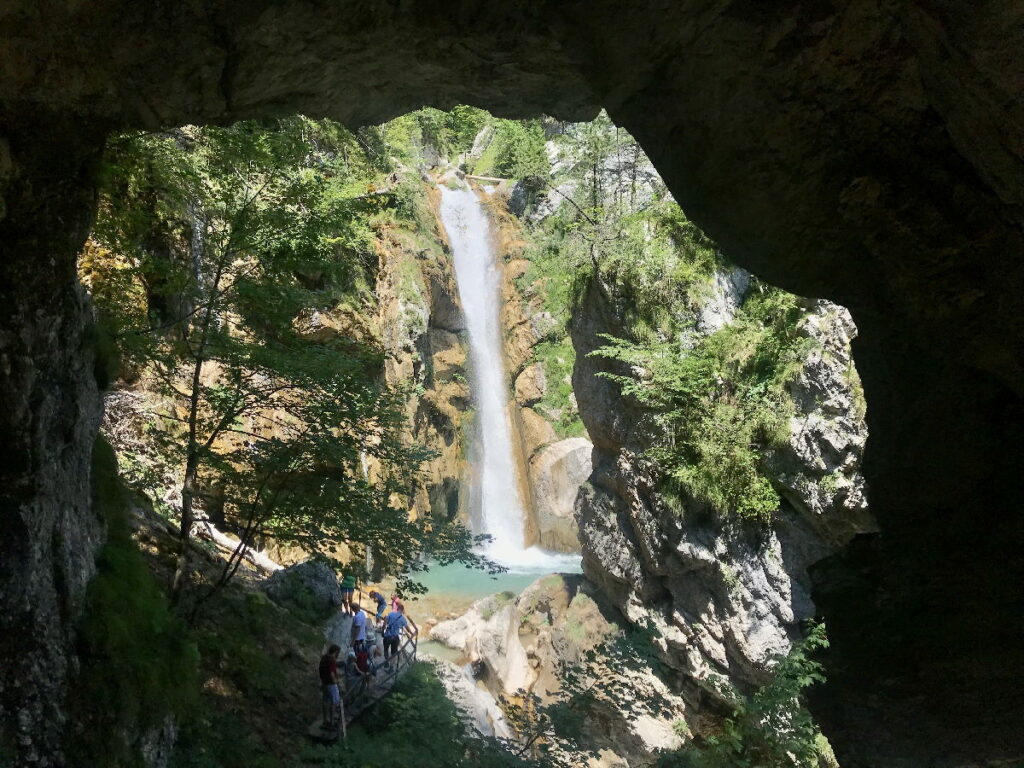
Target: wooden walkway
pixel 361 694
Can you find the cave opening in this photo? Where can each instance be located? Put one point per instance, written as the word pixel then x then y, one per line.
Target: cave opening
pixel 850 153
pixel 641 285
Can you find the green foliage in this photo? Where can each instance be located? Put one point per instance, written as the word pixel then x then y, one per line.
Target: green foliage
pixel 220 740
pixel 557 356
pixel 721 403
pixel 138 661
pixel 521 153
pixel 236 237
pixel 464 123
pixel 626 232
pixel 516 151
pixel 248 647
pixel 772 728
pixel 416 726
pixel 237 643
pixel 448 133
pixel 681 729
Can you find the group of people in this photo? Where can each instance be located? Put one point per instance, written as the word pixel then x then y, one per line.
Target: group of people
pixel 362 661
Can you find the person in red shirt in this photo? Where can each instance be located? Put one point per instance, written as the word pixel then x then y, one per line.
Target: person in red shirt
pixel 329 688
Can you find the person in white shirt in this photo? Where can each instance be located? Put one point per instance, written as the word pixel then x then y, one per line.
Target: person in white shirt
pixel 358 627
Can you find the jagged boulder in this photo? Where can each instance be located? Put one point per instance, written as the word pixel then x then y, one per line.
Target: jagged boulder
pixel 309 589
pixel 522 643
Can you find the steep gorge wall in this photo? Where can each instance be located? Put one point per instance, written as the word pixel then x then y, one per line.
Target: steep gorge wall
pixel 725 597
pixel 726 600
pixel 420 322
pixel 49 534
pixel 554 463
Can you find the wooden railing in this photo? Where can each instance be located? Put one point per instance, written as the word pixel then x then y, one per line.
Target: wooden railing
pixel 371 688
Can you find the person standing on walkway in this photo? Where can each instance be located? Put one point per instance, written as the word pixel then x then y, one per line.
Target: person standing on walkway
pixel 358 628
pixel 348 588
pixel 329 688
pixel 382 605
pixel 394 623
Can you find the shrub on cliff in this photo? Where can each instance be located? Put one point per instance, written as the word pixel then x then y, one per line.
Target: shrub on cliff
pixel 771 728
pixel 719 404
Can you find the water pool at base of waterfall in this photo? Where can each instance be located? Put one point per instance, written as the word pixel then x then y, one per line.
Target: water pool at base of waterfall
pixel 453 588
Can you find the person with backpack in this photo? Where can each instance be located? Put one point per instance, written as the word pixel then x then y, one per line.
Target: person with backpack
pixel 394 623
pixel 348 588
pixel 329 688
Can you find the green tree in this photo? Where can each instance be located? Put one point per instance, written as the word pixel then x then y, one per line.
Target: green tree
pixel 522 153
pixel 239 236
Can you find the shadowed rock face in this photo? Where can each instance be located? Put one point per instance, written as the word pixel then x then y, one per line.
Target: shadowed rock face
pixel 869 152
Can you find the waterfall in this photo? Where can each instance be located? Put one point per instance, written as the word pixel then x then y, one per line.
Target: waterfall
pixel 495 495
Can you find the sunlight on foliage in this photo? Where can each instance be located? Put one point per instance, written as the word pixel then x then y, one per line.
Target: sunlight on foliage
pixel 771 728
pixel 719 405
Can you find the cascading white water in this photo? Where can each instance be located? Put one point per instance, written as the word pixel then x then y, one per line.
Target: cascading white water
pixel 496 486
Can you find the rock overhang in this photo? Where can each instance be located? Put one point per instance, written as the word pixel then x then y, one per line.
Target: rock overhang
pixel 871 154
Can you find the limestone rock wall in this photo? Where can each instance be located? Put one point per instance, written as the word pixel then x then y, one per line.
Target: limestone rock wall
pixel 725 599
pixel 554 466
pixel 49 371
pixel 419 319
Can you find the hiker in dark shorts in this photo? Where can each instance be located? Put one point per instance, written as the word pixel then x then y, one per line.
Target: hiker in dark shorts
pixel 329 688
pixel 382 605
pixel 394 623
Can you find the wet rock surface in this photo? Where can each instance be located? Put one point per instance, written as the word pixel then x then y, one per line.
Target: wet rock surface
pixel 556 473
pixel 870 153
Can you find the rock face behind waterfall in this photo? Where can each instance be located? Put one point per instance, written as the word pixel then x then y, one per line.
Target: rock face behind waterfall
pixel 422 326
pixel 725 598
pixel 556 473
pixel 554 450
